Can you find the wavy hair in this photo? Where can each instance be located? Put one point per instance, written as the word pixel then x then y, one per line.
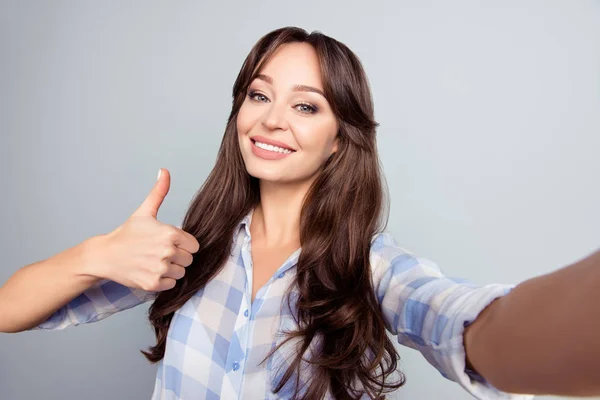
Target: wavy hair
pixel 335 305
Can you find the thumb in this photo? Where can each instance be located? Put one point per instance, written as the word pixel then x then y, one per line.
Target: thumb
pixel 158 193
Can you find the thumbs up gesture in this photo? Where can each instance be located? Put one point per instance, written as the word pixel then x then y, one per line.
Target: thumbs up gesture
pixel 144 253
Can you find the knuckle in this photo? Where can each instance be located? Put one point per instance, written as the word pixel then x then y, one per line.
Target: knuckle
pixel 171 234
pixel 157 284
pixel 150 286
pixel 160 270
pixel 167 252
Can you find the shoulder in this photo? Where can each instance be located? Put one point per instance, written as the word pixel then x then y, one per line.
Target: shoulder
pixel 388 257
pixel 383 244
pixel 386 250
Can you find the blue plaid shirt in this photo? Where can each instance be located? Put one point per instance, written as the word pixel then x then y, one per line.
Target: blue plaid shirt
pixel 217 340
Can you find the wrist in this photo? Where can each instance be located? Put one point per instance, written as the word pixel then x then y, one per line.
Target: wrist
pixel 90 263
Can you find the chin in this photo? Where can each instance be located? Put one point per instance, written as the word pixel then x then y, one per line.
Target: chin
pixel 266 175
pixel 279 177
pixel 274 171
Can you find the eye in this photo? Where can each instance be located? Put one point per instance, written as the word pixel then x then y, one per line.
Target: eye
pixel 306 108
pixel 257 96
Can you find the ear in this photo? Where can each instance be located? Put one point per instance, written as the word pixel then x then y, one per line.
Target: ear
pixel 336 142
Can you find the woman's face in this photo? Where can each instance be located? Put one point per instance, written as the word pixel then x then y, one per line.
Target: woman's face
pixel 286 128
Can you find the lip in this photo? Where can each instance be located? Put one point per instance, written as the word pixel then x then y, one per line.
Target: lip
pixel 266 154
pixel 264 140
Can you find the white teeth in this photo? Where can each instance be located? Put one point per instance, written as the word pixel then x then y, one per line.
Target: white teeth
pixel 272 148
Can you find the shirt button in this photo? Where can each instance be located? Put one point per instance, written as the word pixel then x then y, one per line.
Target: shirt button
pixel 281 275
pixel 246 313
pixel 236 366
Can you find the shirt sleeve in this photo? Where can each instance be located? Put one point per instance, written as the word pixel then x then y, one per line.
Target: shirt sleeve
pixel 96 303
pixel 429 312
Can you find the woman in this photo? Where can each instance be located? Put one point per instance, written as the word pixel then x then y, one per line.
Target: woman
pixel 281 284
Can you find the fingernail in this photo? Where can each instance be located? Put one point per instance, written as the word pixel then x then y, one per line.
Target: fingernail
pixel 159 172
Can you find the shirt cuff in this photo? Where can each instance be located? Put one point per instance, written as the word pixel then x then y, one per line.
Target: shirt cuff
pixel 455 359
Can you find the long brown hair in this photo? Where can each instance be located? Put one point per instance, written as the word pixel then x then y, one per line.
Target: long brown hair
pixel 335 304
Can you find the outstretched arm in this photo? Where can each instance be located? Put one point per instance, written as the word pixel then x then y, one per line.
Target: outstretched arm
pixel 544 336
pixel 34 292
pixel 428 311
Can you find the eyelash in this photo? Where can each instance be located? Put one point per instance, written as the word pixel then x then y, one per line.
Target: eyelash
pixel 313 109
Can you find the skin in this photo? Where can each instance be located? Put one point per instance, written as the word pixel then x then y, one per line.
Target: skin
pixel 562 305
pixel 301 119
pixel 502 355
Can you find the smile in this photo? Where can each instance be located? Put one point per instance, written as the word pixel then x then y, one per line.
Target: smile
pixel 268 151
pixel 270 147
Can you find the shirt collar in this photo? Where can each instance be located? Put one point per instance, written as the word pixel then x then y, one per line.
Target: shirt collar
pixel 245 222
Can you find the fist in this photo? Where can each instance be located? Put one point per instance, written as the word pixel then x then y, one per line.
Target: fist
pixel 144 253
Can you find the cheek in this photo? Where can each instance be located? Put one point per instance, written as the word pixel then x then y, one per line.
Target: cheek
pixel 317 138
pixel 243 120
pixel 248 116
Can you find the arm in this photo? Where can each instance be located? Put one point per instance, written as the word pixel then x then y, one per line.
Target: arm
pixel 34 292
pixel 429 311
pixel 544 336
pixel 102 275
pixel 62 291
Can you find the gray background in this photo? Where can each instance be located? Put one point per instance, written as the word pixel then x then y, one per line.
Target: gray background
pixel 490 130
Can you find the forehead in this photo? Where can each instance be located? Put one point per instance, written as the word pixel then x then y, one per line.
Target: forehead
pixel 294 64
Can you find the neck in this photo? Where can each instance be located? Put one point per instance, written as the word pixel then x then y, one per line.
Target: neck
pixel 276 220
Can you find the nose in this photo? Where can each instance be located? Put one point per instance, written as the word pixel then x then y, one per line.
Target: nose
pixel 274 117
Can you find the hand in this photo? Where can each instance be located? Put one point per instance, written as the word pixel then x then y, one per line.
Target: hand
pixel 144 253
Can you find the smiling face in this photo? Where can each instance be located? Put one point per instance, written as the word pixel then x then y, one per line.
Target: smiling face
pixel 286 128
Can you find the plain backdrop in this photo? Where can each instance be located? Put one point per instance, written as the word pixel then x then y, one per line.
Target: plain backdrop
pixel 489 138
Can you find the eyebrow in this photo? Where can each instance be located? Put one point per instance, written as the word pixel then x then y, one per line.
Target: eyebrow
pixel 296 88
